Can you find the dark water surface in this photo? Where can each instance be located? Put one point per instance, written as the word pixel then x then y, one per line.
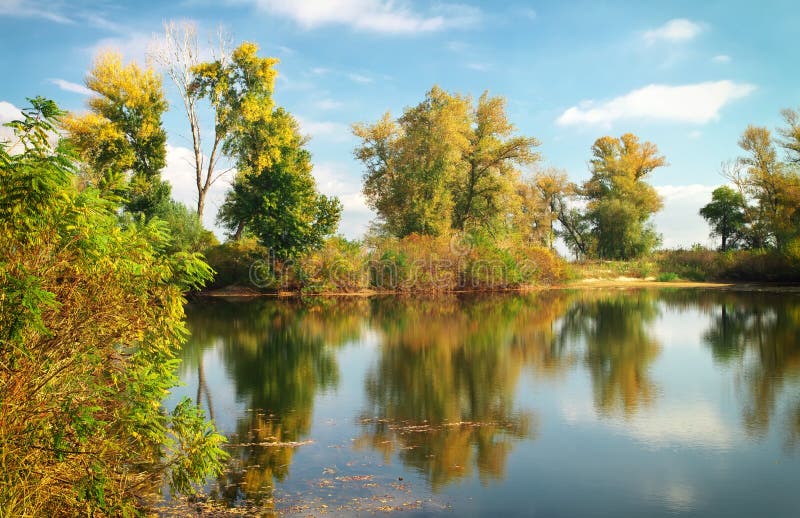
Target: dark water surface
pixel 594 403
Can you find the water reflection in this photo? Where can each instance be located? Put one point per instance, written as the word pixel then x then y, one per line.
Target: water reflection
pixel 442 392
pixel 618 347
pixel 279 355
pixel 442 386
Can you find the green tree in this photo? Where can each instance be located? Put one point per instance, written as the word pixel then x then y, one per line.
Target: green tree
pixel 620 202
pixel 121 140
pixel 274 194
pixel 279 204
pixel 91 318
pixel 444 164
pixel 725 215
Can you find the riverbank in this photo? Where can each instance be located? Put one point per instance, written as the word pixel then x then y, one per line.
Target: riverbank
pixel 592 283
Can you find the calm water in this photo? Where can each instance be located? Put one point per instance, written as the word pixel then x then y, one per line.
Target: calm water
pixel 594 403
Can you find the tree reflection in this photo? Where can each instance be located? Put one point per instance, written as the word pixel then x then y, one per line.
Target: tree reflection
pixel 442 393
pixel 278 354
pixel 759 332
pixel 613 330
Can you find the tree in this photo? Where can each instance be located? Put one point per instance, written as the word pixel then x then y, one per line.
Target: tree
pixel 773 185
pixel 620 202
pixel 274 194
pixel 91 318
pixel 543 203
pixel 180 57
pixel 444 164
pixel 121 140
pixel 482 192
pixel 279 203
pixel 725 215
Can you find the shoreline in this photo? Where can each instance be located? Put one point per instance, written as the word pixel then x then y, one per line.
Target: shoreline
pixel 581 284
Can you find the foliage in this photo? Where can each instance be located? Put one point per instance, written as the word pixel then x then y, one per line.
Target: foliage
pixel 339 265
pixel 444 164
pixel 232 261
pixel 771 186
pixel 620 202
pixel 186 230
pixel 725 214
pixel 121 140
pixel 91 316
pixel 274 194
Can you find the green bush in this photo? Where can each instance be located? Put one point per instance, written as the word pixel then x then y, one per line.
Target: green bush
pixel 667 277
pixel 91 318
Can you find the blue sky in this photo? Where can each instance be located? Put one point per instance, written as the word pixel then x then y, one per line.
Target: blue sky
pixel 688 76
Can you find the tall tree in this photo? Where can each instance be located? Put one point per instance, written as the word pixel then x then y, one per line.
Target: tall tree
pixel 279 203
pixel 444 164
pixel 773 185
pixel 725 215
pixel 121 140
pixel 620 202
pixel 482 190
pixel 274 194
pixel 180 56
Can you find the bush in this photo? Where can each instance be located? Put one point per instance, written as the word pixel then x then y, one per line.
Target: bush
pixel 667 277
pixel 340 265
pixel 91 317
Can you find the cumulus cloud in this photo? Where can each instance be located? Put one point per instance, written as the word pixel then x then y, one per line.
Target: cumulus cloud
pixel 8 113
pixel 133 47
pixel 69 86
pixel 334 179
pixel 678 29
pixel 696 103
pixel 383 16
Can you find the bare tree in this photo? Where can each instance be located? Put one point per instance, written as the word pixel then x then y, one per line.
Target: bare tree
pixel 178 54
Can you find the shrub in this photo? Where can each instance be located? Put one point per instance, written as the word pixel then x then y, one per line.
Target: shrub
pixel 667 277
pixel 91 315
pixel 340 265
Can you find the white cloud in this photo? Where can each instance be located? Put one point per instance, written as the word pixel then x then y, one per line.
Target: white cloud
pixel 678 29
pixel 721 58
pixel 8 113
pixel 360 78
pixel 28 9
pixel 179 172
pixel 695 134
pixel 384 16
pixel 336 180
pixel 335 131
pixel 679 221
pixel 695 103
pixel 133 47
pixel 69 86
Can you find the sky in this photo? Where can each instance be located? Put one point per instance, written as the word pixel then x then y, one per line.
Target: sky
pixel 686 75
